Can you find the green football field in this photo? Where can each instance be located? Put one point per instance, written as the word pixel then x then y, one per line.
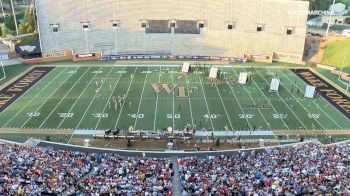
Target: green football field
pixel 66 99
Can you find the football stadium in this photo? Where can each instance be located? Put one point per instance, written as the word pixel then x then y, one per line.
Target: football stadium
pixel 174 97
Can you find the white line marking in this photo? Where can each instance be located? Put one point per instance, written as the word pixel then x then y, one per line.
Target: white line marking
pixel 240 106
pixel 104 109
pixel 206 103
pixel 29 102
pixel 267 123
pixel 48 116
pixel 87 109
pixel 228 117
pixel 38 109
pixel 156 109
pixel 189 101
pixel 138 109
pixel 313 101
pixel 172 78
pixel 127 93
pixel 39 82
pixel 285 103
pixel 76 101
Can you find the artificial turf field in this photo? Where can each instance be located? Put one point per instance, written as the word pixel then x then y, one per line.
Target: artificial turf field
pixel 66 99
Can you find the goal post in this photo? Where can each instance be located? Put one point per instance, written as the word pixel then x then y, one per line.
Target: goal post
pixel 2 72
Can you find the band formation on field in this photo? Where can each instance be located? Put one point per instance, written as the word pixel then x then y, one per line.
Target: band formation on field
pixel 160 97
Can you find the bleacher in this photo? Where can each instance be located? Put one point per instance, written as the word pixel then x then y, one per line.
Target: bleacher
pixel 187 27
pixel 158 26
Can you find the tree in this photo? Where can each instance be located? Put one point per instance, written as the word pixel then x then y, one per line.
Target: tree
pixel 10 22
pixel 28 24
pixel 347 20
pixel 319 5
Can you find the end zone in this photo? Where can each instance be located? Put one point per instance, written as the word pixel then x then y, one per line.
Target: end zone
pixel 14 90
pixel 333 95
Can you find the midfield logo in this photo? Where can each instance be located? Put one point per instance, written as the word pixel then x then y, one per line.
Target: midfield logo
pixel 182 91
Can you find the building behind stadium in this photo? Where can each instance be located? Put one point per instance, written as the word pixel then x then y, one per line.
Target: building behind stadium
pixel 260 29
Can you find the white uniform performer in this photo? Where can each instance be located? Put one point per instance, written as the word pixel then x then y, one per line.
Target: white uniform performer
pixel 97 93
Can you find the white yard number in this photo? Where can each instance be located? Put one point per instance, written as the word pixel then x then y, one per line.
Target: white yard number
pixel 212 116
pixel 314 116
pixel 66 115
pixel 100 115
pixel 122 72
pixel 175 115
pixel 33 114
pixel 137 115
pixel 146 72
pixel 72 72
pixel 280 115
pixel 246 116
pixel 97 72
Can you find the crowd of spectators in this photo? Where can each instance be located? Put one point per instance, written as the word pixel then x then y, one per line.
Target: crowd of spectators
pixel 300 169
pixel 118 175
pixel 308 169
pixel 26 170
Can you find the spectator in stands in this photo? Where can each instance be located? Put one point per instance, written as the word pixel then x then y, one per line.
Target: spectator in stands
pixel 301 170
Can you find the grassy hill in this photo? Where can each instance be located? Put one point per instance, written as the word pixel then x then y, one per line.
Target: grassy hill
pixel 334 54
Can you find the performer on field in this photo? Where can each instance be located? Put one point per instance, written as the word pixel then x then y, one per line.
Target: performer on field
pixel 269 102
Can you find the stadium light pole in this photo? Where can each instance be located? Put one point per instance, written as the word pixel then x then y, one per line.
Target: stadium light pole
pixel 14 16
pixel 3 69
pixel 341 69
pixel 3 12
pixel 342 66
pixel 329 19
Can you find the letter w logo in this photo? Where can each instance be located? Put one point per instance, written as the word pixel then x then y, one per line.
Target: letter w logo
pixel 159 88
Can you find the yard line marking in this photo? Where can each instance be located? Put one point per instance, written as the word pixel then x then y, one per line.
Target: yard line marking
pixel 39 82
pixel 172 78
pixel 267 123
pixel 189 101
pixel 156 109
pixel 76 100
pixel 138 109
pixel 229 120
pixel 206 103
pixel 111 94
pixel 127 93
pixel 285 124
pixel 48 116
pixel 33 98
pixel 45 101
pixel 284 102
pixel 313 101
pixel 239 104
pixel 301 105
pixel 87 109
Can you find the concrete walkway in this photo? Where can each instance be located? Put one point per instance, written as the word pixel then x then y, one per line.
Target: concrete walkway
pixel 176 178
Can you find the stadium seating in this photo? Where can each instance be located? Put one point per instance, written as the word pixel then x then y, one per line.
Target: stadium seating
pixel 187 27
pixel 301 169
pixel 158 26
pixel 120 175
pixel 37 171
pixel 308 169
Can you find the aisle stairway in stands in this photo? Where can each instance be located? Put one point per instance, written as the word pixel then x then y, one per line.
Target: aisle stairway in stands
pixel 176 179
pixel 71 189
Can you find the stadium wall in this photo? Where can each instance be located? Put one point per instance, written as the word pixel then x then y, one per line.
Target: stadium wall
pixel 214 39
